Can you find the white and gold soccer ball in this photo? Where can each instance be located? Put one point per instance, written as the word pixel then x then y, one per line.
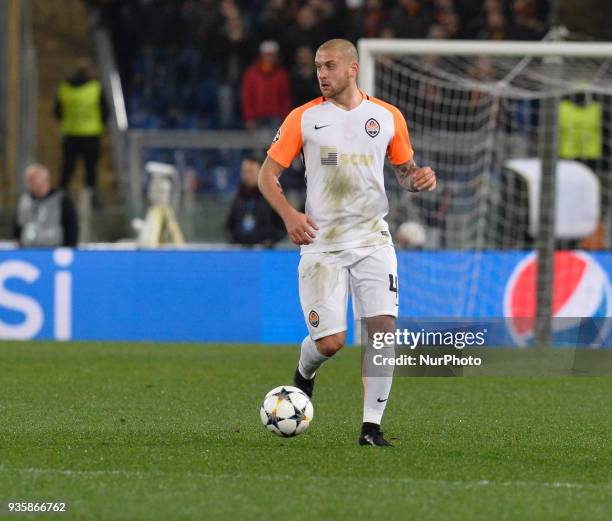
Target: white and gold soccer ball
pixel 286 411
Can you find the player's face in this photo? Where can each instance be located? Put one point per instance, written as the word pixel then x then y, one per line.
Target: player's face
pixel 334 71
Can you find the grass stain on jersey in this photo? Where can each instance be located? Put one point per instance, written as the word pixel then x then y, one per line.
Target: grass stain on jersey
pixel 332 233
pixel 339 188
pixel 339 185
pixel 337 229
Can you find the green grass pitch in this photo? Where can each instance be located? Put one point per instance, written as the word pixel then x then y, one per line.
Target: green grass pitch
pixel 172 432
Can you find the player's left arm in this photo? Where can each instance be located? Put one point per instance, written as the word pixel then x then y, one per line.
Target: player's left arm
pixel 410 176
pixel 413 178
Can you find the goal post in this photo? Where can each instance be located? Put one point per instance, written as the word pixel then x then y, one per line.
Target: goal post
pixel 369 48
pixel 474 107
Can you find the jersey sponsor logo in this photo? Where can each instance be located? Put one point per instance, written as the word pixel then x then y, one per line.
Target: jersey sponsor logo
pixel 372 127
pixel 356 159
pixel 277 137
pixel 313 318
pixel 329 156
pixel 319 127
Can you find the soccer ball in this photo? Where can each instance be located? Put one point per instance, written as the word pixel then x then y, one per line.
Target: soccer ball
pixel 286 411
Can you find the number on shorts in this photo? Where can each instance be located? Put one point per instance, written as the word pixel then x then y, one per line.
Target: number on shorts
pixel 392 283
pixel 393 287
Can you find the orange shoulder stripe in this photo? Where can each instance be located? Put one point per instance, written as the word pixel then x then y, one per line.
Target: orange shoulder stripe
pixel 399 150
pixel 288 141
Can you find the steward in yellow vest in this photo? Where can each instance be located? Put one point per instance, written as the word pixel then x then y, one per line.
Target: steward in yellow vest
pixel 580 129
pixel 81 109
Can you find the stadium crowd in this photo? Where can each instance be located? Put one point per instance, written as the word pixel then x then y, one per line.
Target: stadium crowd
pixel 192 63
pixel 244 64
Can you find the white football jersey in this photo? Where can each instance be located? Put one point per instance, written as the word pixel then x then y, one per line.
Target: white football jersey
pixel 344 153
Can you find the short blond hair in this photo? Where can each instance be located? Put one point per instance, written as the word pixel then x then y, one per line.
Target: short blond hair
pixel 343 46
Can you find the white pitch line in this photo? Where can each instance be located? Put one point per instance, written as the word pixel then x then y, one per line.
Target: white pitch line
pixel 443 482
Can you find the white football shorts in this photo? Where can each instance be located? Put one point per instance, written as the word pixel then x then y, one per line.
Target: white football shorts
pixel 369 273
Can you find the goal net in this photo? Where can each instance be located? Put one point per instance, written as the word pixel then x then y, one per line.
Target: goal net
pixel 487 116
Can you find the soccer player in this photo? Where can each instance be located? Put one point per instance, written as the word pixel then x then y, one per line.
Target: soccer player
pixel 343 138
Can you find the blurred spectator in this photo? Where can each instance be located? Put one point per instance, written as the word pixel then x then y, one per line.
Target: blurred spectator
pixel 266 97
pixel 431 92
pixel 495 26
pixel 81 108
pixel 251 220
pixel 331 16
pixel 411 19
pixel 307 29
pixel 304 81
pixel 387 31
pixel 471 16
pixel 442 7
pixel 324 9
pixel 449 20
pixel 437 32
pixel 229 9
pixel 235 53
pixel 493 5
pixel 207 20
pixel 484 72
pixel 367 21
pixel 275 23
pixel 45 216
pixel 526 25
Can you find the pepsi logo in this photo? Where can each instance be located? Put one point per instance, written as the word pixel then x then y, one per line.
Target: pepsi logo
pixel 581 290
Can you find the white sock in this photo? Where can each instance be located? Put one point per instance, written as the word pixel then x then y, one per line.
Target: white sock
pixel 310 358
pixel 376 391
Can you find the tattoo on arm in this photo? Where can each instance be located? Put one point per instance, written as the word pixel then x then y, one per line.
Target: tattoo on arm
pixel 402 172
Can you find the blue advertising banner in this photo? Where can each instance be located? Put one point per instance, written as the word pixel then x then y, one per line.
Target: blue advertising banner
pixel 252 296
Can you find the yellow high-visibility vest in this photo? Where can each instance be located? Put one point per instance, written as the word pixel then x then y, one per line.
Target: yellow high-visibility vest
pixel 580 130
pixel 81 113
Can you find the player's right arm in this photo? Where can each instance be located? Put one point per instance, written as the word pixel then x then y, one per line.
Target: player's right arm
pixel 285 147
pixel 300 227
